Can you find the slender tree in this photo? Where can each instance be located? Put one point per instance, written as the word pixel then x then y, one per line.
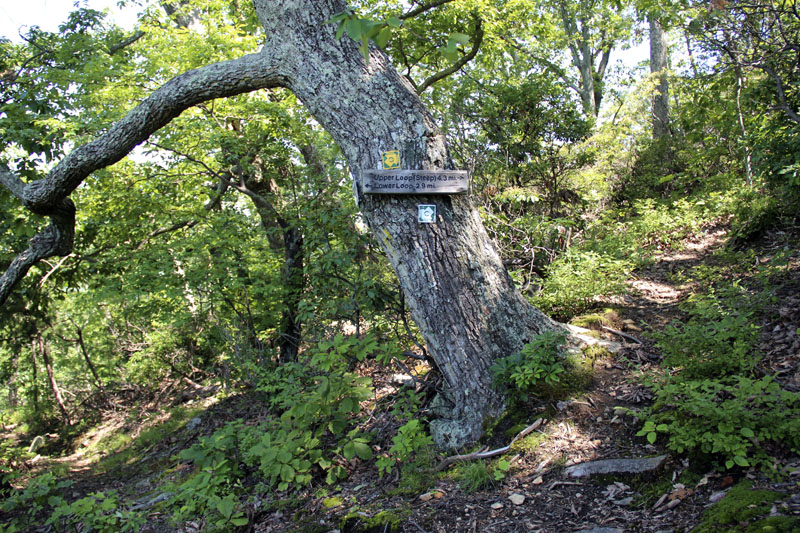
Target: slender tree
pixel 658 68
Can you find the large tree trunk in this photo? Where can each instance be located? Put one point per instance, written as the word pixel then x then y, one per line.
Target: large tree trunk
pixel 460 295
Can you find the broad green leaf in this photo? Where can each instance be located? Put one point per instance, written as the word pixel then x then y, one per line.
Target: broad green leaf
pixel 284 455
pixel 353 28
pixel 362 450
pixel 347 405
pixel 349 450
pixel 382 39
pixel 741 461
pixel 226 506
pixel 287 473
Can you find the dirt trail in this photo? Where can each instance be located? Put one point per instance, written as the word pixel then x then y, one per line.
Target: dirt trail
pixel 589 428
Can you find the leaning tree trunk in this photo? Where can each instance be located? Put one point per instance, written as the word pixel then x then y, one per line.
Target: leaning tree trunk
pixel 460 295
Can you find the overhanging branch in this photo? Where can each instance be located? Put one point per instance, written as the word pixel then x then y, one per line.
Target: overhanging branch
pixel 49 196
pixel 12 182
pixel 55 239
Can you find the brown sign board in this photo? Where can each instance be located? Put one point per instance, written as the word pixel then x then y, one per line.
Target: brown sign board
pixel 415 181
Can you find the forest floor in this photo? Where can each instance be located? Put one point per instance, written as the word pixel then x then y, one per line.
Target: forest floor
pixel 534 494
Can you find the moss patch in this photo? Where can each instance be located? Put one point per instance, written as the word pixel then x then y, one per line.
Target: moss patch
pixel 385 521
pixel 608 318
pixel 740 509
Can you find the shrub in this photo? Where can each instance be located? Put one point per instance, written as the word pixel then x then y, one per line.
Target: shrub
pixel 410 438
pixel 718 339
pixel 729 420
pixel 536 368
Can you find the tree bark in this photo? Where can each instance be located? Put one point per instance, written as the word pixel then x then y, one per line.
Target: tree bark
pixel 658 68
pixel 34 381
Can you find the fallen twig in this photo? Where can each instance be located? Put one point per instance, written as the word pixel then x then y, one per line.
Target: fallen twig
pixel 485 453
pixel 622 334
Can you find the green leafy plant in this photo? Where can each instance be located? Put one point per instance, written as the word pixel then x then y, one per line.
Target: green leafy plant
pixel 718 339
pixel 536 368
pixel 99 511
pixel 410 438
pixel 727 420
pixel 475 476
pixel 42 494
pixel 577 277
pixel 312 435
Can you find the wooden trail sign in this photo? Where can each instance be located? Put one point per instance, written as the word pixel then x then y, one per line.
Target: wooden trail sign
pixel 415 181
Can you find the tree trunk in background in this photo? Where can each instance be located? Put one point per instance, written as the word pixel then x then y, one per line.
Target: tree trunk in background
pixel 459 293
pixel 658 68
pixel 294 279
pixel 748 160
pixel 34 382
pixel 53 385
pixel 89 363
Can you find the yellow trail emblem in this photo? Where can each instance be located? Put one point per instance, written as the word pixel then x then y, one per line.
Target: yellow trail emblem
pixel 391 159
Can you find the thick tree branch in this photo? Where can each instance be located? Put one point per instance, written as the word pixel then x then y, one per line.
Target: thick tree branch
pixel 12 182
pixel 783 104
pixel 55 239
pixel 48 196
pixel 485 453
pixel 477 40
pixel 219 80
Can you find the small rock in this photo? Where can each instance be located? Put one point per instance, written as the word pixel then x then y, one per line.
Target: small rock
pixel 497 506
pixel 624 501
pixel 192 424
pixel 517 499
pixel 403 380
pixel 615 466
pixel 428 496
pixel 538 481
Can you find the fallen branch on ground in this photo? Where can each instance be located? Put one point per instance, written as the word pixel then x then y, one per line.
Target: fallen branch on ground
pixel 485 453
pixel 621 334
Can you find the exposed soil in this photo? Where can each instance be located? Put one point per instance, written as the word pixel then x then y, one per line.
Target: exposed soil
pixel 594 426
